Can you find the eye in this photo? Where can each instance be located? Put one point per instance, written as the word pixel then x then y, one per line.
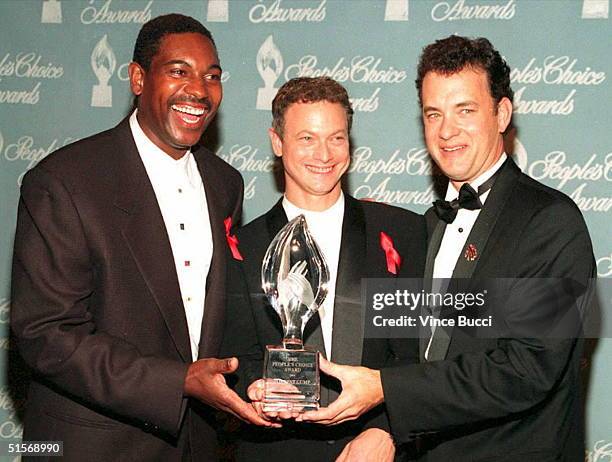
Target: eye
pixel 432 116
pixel 177 72
pixel 467 110
pixel 213 77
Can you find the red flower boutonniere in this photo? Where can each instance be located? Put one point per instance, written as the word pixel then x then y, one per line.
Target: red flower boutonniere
pixel 394 259
pixel 232 240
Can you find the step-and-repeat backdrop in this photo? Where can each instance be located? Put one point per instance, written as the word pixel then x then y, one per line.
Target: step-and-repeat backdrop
pixel 63 76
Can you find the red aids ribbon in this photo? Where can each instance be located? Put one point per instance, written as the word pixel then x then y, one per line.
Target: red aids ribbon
pixel 471 253
pixel 232 240
pixel 394 260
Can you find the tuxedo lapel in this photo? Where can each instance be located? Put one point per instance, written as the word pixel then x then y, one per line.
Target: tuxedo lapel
pixel 478 238
pixel 488 216
pixel 214 304
pixel 145 234
pixel 347 336
pixel 436 228
pixel 433 246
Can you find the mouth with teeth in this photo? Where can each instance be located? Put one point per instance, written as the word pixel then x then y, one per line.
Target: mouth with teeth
pixel 453 149
pixel 190 115
pixel 319 170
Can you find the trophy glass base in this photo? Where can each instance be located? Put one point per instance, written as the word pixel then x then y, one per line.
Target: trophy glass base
pixel 291 379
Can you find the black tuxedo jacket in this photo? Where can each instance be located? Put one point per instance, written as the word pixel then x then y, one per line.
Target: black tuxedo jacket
pixel 96 305
pixel 252 323
pixel 504 399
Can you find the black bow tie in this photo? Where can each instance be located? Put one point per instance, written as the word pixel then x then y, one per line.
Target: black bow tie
pixel 467 199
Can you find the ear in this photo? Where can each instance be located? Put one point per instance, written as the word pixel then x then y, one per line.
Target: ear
pixel 504 114
pixel 136 74
pixel 277 142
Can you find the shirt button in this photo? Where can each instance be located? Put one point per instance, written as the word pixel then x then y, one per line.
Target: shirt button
pixel 460 230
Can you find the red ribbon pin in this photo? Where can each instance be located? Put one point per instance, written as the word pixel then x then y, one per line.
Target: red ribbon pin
pixel 394 260
pixel 232 240
pixel 471 252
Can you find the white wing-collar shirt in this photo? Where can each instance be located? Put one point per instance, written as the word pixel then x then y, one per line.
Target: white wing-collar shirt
pixel 180 194
pixel 457 232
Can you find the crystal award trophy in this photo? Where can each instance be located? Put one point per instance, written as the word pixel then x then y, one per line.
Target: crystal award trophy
pixel 295 279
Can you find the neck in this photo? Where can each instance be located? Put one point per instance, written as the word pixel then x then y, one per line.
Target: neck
pixel 311 202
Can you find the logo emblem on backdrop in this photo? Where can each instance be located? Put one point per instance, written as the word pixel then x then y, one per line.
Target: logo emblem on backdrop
pixel 520 155
pixel 218 11
pixel 270 66
pixel 604 266
pixel 595 9
pixel 103 63
pixel 396 10
pixel 51 12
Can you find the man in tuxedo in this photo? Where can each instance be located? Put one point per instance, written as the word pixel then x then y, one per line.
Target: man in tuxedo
pixel 474 398
pixel 310 134
pixel 119 269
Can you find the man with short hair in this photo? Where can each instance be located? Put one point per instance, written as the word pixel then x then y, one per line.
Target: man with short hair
pixel 310 134
pixel 119 269
pixel 475 398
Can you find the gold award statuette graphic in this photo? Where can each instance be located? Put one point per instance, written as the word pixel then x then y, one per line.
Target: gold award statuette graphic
pixel 295 279
pixel 595 9
pixel 396 10
pixel 103 63
pixel 269 65
pixel 51 12
pixel 217 11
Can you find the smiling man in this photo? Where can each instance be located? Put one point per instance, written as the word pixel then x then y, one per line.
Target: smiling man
pixel 312 119
pixel 119 269
pixel 475 398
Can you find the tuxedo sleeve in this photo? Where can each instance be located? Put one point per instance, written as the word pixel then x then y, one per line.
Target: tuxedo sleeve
pixel 517 374
pixel 240 336
pixel 53 281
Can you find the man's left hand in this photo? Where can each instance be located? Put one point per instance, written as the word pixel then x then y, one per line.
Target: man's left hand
pixel 361 391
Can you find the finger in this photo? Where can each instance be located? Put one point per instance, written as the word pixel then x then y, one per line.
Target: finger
pixel 329 368
pixel 255 392
pixel 245 412
pixel 268 416
pixel 323 414
pixel 287 414
pixel 223 366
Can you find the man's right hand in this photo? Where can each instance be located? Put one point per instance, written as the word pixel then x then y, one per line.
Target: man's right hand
pixel 255 392
pixel 205 382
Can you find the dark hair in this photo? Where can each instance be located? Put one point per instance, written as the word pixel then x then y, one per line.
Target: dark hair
pixel 453 54
pixel 152 33
pixel 308 90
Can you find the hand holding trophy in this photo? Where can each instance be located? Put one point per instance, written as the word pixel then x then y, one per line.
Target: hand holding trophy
pixel 295 278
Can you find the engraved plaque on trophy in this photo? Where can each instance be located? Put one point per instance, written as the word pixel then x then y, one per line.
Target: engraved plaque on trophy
pixel 295 278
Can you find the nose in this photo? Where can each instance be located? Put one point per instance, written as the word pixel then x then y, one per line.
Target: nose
pixel 448 128
pixel 323 153
pixel 196 87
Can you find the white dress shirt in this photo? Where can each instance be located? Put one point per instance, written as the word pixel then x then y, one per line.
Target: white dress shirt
pixel 180 194
pixel 457 232
pixel 326 228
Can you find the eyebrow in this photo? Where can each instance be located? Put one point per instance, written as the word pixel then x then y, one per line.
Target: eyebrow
pixel 185 63
pixel 458 105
